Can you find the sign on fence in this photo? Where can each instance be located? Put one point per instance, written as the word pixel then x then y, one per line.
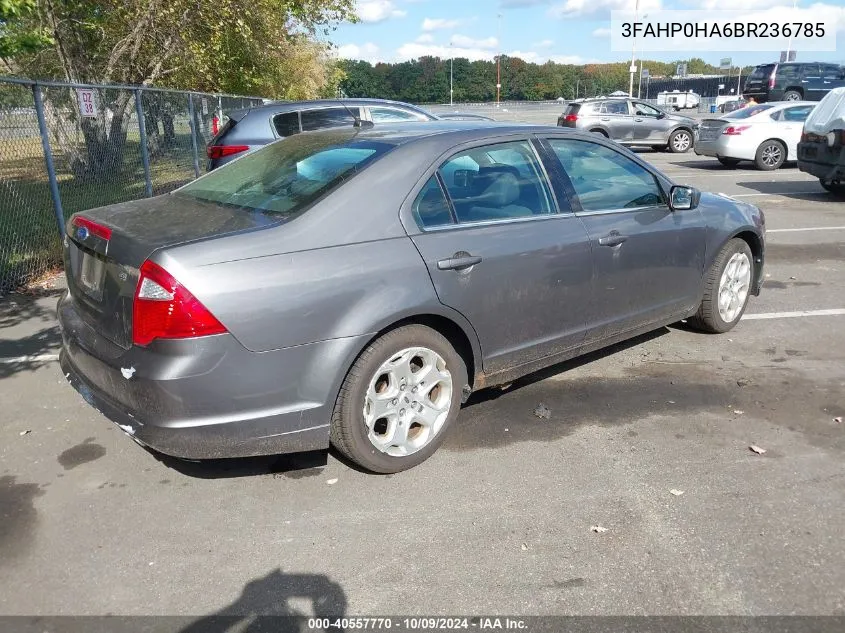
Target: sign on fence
pixel 204 102
pixel 87 105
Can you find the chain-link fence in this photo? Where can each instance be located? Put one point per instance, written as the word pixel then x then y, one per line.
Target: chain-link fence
pixel 69 147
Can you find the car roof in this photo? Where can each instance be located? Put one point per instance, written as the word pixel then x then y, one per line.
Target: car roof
pixel 447 132
pixel 785 104
pixel 290 106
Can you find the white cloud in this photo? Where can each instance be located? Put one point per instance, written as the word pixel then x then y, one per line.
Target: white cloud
pixel 414 50
pixel 601 32
pixel 378 10
pixel 435 24
pixel 425 38
pixel 543 44
pixel 469 42
pixel 542 58
pixel 576 8
pixel 368 52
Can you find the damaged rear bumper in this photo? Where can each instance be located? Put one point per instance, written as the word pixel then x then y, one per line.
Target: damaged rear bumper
pixel 207 397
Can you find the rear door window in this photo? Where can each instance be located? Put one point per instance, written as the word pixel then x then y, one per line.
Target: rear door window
pixel 431 208
pixel 328 118
pixel 393 115
pixel 797 113
pixel 286 123
pixel 497 182
pixel 614 107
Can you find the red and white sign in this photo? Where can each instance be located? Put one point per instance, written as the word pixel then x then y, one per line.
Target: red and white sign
pixel 87 104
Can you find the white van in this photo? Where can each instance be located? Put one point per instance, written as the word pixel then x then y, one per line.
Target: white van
pixel 677 100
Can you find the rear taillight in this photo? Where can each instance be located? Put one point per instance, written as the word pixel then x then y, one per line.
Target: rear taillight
pixel 735 130
pixel 571 117
pixel 163 308
pixel 92 227
pixel 772 78
pixel 219 151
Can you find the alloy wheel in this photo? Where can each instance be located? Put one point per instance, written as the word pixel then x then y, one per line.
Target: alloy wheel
pixel 734 286
pixel 772 155
pixel 407 401
pixel 681 142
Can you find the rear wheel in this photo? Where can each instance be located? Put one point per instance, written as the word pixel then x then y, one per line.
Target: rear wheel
pixel 680 141
pixel 728 162
pixel 398 400
pixel 727 287
pixel 837 188
pixel 770 155
pixel 792 95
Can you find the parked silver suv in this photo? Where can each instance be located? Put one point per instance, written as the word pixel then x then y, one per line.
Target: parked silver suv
pixel 631 122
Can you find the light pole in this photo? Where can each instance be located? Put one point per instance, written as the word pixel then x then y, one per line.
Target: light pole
pixel 633 67
pixel 640 82
pixel 789 45
pixel 451 61
pixel 499 59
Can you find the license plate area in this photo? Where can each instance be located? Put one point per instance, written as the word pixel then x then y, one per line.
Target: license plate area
pixel 91 273
pixel 811 152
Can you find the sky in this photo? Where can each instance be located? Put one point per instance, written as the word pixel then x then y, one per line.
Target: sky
pixel 565 31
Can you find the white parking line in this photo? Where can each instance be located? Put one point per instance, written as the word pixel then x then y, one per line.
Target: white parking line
pixel 35 358
pixel 793 315
pixel 811 228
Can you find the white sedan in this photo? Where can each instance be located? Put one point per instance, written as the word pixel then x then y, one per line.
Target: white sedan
pixel 767 134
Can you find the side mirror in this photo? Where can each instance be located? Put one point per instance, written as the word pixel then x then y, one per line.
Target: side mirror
pixel 463 178
pixel 683 198
pixel 661 115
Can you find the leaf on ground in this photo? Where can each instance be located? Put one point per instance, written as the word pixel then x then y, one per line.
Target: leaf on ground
pixel 598 529
pixel 524 547
pixel 27 432
pixel 757 449
pixel 542 411
pixel 738 411
pixel 332 482
pixel 838 419
pixel 676 492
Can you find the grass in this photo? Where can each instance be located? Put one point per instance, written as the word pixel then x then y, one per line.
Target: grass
pixel 29 234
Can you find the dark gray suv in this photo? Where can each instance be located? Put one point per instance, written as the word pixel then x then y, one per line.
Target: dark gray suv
pixel 252 128
pixel 631 122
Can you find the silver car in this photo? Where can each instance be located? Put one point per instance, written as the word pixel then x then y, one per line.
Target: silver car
pixel 767 134
pixel 631 122
pixel 357 285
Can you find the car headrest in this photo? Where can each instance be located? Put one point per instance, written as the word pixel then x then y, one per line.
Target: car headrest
pixel 501 185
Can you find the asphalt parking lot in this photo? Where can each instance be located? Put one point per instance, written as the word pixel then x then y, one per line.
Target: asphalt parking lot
pixel 500 519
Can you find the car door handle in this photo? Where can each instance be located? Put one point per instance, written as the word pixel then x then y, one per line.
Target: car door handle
pixel 638 120
pixel 612 239
pixel 458 262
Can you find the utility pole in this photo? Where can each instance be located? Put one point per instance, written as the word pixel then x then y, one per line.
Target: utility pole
pixel 640 84
pixel 451 61
pixel 633 67
pixel 789 45
pixel 499 59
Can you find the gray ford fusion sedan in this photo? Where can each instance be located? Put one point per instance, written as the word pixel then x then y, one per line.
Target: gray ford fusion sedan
pixel 354 286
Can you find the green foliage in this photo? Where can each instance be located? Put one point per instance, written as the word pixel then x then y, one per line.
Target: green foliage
pixel 426 80
pixel 17 34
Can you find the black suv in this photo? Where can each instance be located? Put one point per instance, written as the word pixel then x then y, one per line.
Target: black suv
pixel 793 81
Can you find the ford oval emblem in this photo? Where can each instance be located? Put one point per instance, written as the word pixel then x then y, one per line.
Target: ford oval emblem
pixel 81 233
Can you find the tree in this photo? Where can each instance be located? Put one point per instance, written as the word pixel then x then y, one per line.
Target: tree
pixel 18 35
pixel 269 48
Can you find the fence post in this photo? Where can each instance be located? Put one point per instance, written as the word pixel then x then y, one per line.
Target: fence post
pixel 192 114
pixel 145 156
pixel 48 159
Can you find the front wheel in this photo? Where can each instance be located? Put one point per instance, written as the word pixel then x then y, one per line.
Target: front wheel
pixel 398 400
pixel 727 286
pixel 680 141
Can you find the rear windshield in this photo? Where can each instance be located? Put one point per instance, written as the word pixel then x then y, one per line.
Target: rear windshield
pixel 762 72
pixel 747 112
pixel 572 108
pixel 287 176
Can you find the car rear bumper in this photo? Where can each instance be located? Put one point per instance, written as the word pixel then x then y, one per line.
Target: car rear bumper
pixel 820 160
pixel 207 397
pixel 726 147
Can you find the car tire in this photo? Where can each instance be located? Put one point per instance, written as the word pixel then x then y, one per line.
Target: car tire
pixel 792 95
pixel 770 155
pixel 376 371
pixel 836 188
pixel 726 293
pixel 600 132
pixel 680 141
pixel 728 162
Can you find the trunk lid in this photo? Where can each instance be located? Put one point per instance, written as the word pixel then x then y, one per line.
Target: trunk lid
pixel 102 266
pixel 711 129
